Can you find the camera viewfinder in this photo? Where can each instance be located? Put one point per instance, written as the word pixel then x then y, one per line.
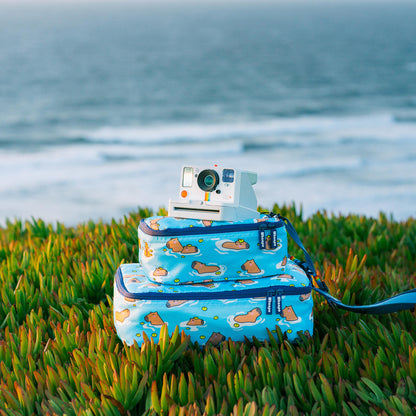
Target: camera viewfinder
pixel 228 175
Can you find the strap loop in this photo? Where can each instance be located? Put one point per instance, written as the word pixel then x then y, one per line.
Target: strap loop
pixel 307 265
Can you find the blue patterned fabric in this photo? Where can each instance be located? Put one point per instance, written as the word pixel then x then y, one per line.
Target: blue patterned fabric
pixel 181 251
pixel 213 320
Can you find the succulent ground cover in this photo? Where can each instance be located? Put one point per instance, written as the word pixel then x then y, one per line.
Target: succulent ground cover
pixel 59 353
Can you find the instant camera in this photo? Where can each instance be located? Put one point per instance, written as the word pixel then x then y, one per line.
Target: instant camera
pixel 215 194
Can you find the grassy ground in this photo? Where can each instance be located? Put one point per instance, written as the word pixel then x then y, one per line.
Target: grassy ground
pixel 59 353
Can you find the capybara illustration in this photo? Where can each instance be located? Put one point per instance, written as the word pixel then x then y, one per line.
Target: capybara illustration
pixel 208 285
pixel 284 261
pixel 249 317
pixel 207 223
pixel 236 245
pixel 154 318
pixel 160 271
pixel 189 249
pixel 154 224
pixel 195 321
pixel 152 285
pixel 269 242
pixel 123 315
pixel 289 314
pixel 251 267
pixel 285 276
pixel 174 303
pixel 246 282
pixel 216 338
pixel 202 268
pixel 269 247
pixel 262 219
pixel 304 297
pixel 174 245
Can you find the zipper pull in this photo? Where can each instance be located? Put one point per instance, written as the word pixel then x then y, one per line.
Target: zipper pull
pixel 279 308
pixel 269 302
pixel 262 238
pixel 273 242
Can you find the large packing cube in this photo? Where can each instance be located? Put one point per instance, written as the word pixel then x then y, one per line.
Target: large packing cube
pixel 181 251
pixel 213 311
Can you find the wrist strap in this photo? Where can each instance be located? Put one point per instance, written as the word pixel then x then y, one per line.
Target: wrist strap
pixel 292 232
pixel 400 302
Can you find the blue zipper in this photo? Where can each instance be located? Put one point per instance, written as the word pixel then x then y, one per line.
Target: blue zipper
pixel 271 293
pixel 169 232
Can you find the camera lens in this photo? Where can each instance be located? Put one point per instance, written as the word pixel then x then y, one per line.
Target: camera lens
pixel 208 180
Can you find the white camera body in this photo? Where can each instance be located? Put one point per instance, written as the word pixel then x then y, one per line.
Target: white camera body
pixel 215 194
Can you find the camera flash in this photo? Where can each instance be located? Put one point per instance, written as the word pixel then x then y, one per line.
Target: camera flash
pixel 187 177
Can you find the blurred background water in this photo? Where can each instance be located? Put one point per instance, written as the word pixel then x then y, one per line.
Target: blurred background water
pixel 101 104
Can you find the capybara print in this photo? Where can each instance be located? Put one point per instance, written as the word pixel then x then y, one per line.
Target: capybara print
pixel 216 338
pixel 189 249
pixel 304 297
pixel 154 225
pixel 202 268
pixel 239 244
pixel 248 317
pixel 246 282
pixel 207 223
pixel 175 245
pixel 207 285
pixel 175 303
pixel 283 276
pixel 152 285
pixel 262 219
pixel 289 314
pixel 123 315
pixel 154 318
pixel 195 321
pixel 160 271
pixel 251 267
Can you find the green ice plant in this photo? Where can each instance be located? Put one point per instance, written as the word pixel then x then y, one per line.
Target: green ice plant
pixel 60 355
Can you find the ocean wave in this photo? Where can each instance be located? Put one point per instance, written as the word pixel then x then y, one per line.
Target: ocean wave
pixel 289 132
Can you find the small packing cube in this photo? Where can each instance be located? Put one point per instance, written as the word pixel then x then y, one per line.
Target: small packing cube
pixel 181 251
pixel 213 311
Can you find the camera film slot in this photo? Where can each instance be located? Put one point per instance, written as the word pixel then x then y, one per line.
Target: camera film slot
pixel 208 210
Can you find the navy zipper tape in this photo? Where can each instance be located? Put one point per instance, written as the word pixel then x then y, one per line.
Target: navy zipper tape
pixel 210 230
pixel 230 294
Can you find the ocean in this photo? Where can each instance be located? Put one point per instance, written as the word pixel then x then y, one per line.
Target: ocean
pixel 101 104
